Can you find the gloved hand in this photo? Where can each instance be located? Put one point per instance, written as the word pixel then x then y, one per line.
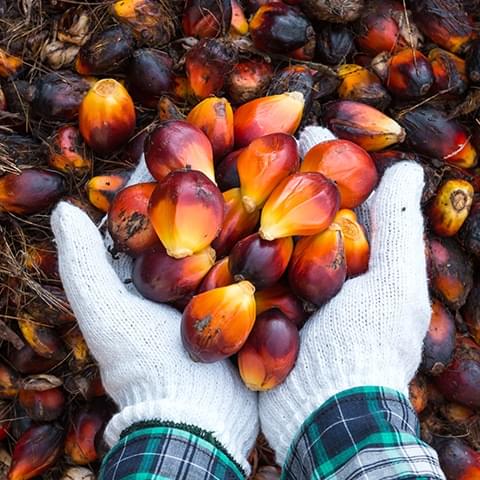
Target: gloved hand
pixel 371 333
pixel 138 347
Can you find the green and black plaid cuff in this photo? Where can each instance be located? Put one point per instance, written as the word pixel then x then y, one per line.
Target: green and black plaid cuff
pixel 362 433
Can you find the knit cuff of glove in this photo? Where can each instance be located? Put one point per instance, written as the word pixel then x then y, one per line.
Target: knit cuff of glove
pixel 186 417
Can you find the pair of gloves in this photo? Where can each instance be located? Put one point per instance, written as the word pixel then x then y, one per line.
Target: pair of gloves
pixel 371 333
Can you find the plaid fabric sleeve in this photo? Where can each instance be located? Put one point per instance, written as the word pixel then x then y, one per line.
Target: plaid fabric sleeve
pixel 160 451
pixel 362 433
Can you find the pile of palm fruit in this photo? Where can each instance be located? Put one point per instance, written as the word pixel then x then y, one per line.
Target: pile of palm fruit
pixel 213 92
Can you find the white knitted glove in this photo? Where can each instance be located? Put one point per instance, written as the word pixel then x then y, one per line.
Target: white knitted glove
pixel 137 344
pixel 372 332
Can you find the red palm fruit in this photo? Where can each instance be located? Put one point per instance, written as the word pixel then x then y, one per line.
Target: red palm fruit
pixel 237 222
pixel 59 95
pixel 226 172
pixel 215 324
pixel 248 79
pixel 280 28
pixel 149 76
pixel 10 65
pixel 418 394
pixel 9 382
pixel 134 148
pixel 263 165
pixel 42 405
pixel 36 451
pixel 470 231
pixel 457 460
pixel 67 152
pixel 31 191
pixel 450 271
pixel 270 352
pixel 334 43
pixel 239 24
pixel 348 165
pixel 214 116
pixel 273 114
pixel 360 84
pixel 450 207
pixel 218 276
pixel 410 74
pixel 206 18
pixel 128 222
pixel 471 312
pixel 161 278
pixel 447 138
pixel 262 262
pixel 151 21
pixel 281 298
pixel 318 269
pixel 355 242
pixel 439 342
pixel 106 116
pixel 459 381
pixel 302 204
pixel 84 433
pixel 187 212
pixel 362 124
pixel 107 51
pixel 101 190
pixel 26 361
pixel 444 22
pixel 449 72
pixel 175 145
pixel 207 64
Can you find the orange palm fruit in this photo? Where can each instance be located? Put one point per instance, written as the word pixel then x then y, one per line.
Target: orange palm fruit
pixel 348 165
pixel 270 352
pixel 239 24
pixel 187 211
pixel 206 18
pixel 215 324
pixel 281 297
pixel 302 204
pixel 362 124
pixel 457 459
pixel 318 268
pixel 214 116
pixel 432 133
pixel 409 75
pixel 449 71
pixel 42 405
pixel 263 165
pixel 107 116
pixel 101 190
pixel 36 451
pixel 31 191
pixel 161 278
pixel 274 114
pixel 450 207
pixel 226 171
pixel 360 84
pixel 218 276
pixel 355 242
pixel 177 144
pixel 9 382
pixel 10 65
pixel 237 222
pixel 262 262
pixel 418 394
pixel 67 152
pixel 128 221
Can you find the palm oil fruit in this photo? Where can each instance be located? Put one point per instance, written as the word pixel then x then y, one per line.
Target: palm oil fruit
pixel 362 124
pixel 128 221
pixel 175 145
pixel 418 394
pixel 161 278
pixel 42 405
pixel 206 18
pixel 469 234
pixel 67 153
pixel 450 207
pixel 214 116
pixel 318 268
pixel 101 190
pixel 107 116
pixel 218 276
pixel 263 165
pixel 457 459
pixel 273 114
pixel 187 211
pixel 237 222
pixel 270 351
pixel 9 382
pixel 348 165
pixel 216 323
pixel 471 312
pixel 226 171
pixel 259 261
pixel 355 242
pixel 449 71
pixel 10 65
pixel 248 79
pixel 304 203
